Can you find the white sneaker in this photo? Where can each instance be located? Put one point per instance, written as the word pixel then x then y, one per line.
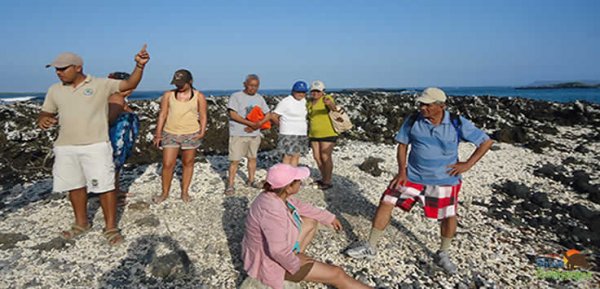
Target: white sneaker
pixel 363 250
pixel 442 259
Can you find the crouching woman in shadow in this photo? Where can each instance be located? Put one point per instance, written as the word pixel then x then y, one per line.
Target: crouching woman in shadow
pixel 279 228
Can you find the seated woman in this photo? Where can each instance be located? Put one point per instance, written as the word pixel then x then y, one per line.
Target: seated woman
pixel 278 230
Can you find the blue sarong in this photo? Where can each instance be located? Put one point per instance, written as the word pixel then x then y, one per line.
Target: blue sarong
pixel 122 136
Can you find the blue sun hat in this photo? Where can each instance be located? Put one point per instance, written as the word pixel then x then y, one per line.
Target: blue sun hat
pixel 300 86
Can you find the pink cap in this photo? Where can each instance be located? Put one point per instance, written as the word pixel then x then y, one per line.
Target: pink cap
pixel 281 175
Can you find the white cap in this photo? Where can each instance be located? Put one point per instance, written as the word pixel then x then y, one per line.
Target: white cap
pixel 431 95
pixel 66 59
pixel 317 85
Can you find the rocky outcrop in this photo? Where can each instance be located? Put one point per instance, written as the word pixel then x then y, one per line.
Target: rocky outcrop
pixel 25 150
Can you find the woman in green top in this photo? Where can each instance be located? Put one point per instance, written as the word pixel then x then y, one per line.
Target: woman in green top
pixel 321 134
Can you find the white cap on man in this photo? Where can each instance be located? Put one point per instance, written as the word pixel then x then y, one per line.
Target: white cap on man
pixel 66 59
pixel 431 95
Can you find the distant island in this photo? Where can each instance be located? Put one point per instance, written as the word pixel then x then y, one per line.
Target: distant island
pixel 562 85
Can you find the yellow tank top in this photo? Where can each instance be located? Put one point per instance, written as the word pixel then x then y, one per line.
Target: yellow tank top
pixel 318 119
pixel 182 117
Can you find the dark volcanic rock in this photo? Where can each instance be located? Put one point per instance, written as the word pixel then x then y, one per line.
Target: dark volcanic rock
pixel 148 221
pixel 171 266
pixel 511 135
pixel 541 200
pixel 26 151
pixel 139 206
pixel 538 146
pixel 581 184
pixel 9 240
pixel 581 212
pixel 582 149
pixel 57 243
pixel 594 225
pixel 557 173
pixel 514 189
pixel 371 166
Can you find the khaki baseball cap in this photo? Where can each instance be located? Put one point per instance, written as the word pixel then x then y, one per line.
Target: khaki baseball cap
pixel 317 85
pixel 431 95
pixel 66 59
pixel 181 77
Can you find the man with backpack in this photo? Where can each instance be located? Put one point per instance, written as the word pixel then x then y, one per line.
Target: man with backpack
pixel 431 174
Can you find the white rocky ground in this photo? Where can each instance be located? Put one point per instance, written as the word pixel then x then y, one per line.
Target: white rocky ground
pixel 203 237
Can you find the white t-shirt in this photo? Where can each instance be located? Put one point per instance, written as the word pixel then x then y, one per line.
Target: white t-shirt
pixel 292 120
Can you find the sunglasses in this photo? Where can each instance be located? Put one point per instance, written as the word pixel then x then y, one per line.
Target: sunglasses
pixel 63 68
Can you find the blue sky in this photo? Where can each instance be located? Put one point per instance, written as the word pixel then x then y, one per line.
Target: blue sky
pixel 400 43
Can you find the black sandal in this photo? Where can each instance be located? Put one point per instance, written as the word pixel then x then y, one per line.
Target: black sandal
pixel 323 186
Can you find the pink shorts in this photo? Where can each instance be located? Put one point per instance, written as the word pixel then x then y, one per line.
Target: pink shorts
pixel 439 202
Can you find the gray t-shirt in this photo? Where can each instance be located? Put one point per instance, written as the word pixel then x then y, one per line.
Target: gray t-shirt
pixel 242 103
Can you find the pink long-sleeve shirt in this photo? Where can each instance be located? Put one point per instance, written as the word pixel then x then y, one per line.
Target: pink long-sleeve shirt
pixel 270 236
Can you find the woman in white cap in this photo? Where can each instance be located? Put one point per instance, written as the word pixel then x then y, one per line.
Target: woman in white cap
pixel 321 134
pixel 279 227
pixel 181 125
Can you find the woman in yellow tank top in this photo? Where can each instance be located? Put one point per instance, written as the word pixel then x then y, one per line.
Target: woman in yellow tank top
pixel 181 126
pixel 321 134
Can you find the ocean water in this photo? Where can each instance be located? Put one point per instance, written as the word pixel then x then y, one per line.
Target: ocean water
pixel 557 95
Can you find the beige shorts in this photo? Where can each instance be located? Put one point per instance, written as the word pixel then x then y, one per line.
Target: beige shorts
pixel 78 166
pixel 243 146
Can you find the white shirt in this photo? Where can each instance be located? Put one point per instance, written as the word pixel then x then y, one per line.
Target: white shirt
pixel 292 120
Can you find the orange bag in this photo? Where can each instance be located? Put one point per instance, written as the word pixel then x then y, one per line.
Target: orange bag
pixel 256 114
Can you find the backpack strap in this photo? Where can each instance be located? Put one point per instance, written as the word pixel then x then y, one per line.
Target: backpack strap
pixel 457 123
pixel 412 118
pixel 454 119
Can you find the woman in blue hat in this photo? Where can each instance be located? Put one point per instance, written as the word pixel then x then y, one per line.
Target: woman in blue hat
pixel 290 114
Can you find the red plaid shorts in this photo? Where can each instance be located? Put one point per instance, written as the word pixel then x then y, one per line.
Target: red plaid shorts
pixel 439 202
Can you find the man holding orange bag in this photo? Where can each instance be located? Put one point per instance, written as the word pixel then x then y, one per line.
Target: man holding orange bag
pixel 244 134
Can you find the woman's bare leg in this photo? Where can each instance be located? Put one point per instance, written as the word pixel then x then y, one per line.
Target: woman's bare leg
pixel 326 274
pixel 295 160
pixel 316 149
pixel 169 161
pixel 187 158
pixel 327 161
pixel 309 229
pixel 287 159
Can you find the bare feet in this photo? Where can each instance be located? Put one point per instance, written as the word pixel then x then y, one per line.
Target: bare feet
pixel 159 198
pixel 186 198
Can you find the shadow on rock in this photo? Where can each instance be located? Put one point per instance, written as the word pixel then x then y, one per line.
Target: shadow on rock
pixel 19 197
pixel 234 220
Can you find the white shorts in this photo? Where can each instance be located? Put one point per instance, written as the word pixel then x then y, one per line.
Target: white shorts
pixel 78 166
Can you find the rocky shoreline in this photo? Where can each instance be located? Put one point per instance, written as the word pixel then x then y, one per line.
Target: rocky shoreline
pixel 536 192
pixel 26 150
